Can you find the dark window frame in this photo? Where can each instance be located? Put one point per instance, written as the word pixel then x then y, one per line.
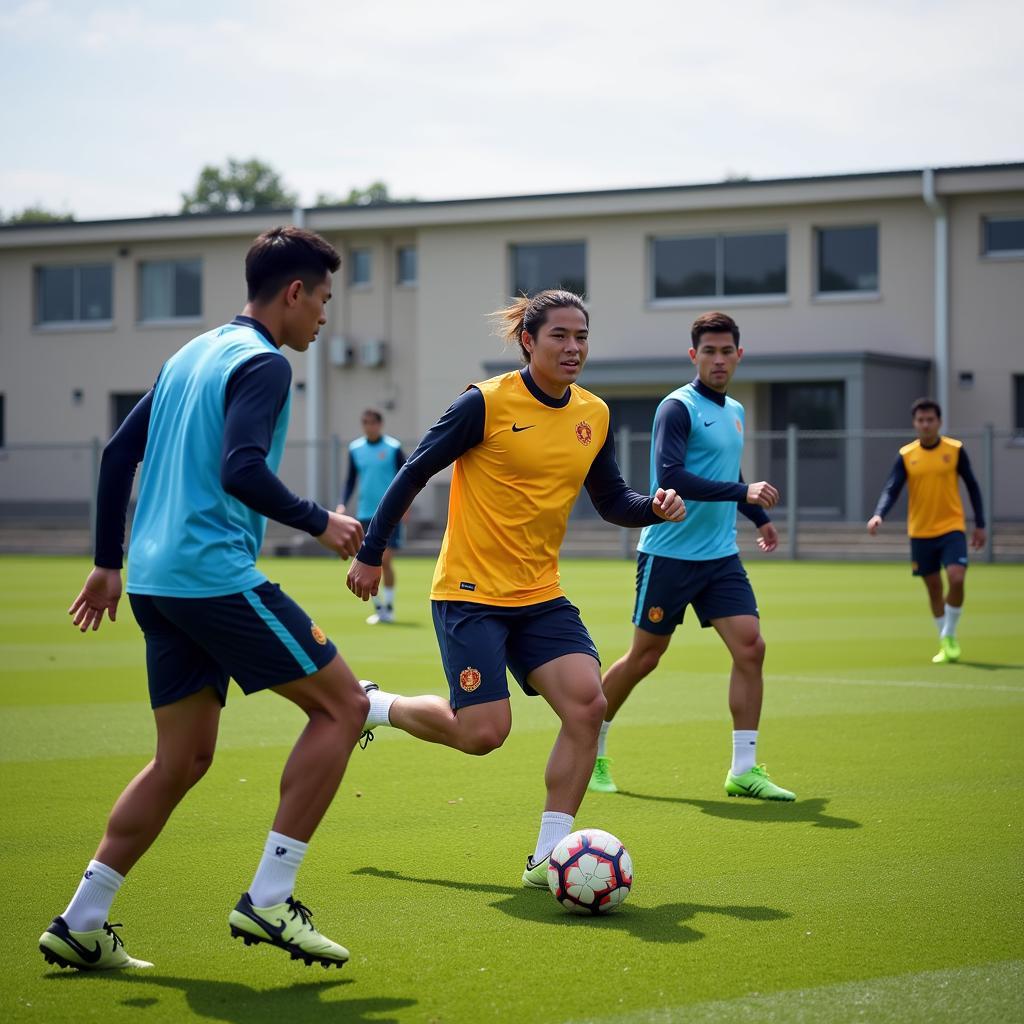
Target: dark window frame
pixel 818 290
pixel 355 255
pixel 513 275
pixel 142 317
pixel 76 296
pixel 999 254
pixel 1018 404
pixel 400 279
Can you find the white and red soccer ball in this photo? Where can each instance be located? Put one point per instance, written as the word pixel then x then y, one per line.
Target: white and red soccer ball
pixel 590 872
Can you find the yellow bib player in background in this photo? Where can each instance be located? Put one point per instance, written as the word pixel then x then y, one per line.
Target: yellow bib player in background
pixel 932 467
pixel 524 444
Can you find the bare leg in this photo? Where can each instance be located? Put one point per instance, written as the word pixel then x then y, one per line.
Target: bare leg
pixel 933 584
pixel 477 729
pixel 572 686
pixel 186 735
pixel 336 706
pixel 742 635
pixel 955 575
pixel 637 663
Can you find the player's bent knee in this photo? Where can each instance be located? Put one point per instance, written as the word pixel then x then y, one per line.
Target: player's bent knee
pixel 483 739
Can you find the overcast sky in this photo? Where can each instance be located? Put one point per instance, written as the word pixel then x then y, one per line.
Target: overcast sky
pixel 111 109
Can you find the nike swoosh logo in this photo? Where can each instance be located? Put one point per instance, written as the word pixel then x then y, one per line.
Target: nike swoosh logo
pixel 269 928
pixel 90 956
pixel 516 430
pixel 708 424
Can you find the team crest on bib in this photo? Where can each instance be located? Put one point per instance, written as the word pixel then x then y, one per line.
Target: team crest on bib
pixel 583 432
pixel 318 634
pixel 945 458
pixel 656 614
pixel 469 679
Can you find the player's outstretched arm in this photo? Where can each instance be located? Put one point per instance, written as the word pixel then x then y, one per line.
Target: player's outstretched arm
pixel 101 593
pixel 890 492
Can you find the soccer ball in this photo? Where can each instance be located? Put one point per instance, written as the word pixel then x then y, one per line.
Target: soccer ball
pixel 590 872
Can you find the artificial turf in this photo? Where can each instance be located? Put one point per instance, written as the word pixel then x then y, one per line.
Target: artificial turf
pixel 890 891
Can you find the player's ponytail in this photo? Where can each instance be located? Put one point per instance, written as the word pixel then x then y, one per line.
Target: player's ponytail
pixel 527 313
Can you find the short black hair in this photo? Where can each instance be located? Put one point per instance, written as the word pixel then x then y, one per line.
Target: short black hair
pixel 373 414
pixel 713 323
pixel 925 405
pixel 285 254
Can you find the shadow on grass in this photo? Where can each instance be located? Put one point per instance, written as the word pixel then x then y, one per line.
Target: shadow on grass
pixel 988 666
pixel 667 923
pixel 739 809
pixel 239 1004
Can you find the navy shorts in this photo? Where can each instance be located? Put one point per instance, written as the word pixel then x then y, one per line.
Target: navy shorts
pixel 394 541
pixel 929 554
pixel 717 589
pixel 479 641
pixel 258 637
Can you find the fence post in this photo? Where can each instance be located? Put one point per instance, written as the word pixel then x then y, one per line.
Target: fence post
pixel 988 490
pixel 334 472
pixel 791 486
pixel 624 443
pixel 95 452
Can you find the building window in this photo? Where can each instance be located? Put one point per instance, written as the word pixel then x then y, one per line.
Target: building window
pixel 361 267
pixel 549 265
pixel 405 264
pixel 848 259
pixel 1003 236
pixel 122 403
pixel 713 266
pixel 1018 403
pixel 78 294
pixel 170 290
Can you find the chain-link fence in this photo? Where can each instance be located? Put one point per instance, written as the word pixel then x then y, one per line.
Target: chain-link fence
pixel 826 478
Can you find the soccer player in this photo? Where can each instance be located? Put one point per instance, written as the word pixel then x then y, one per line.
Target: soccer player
pixel 373 461
pixel 210 435
pixel 695 450
pixel 523 443
pixel 935 517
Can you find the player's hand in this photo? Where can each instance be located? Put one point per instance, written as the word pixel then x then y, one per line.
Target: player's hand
pixel 668 505
pixel 978 538
pixel 873 524
pixel 363 579
pixel 344 535
pixel 762 494
pixel 768 537
pixel 100 594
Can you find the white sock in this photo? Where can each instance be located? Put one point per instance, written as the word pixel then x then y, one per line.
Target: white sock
pixel 744 750
pixel 275 877
pixel 950 620
pixel 380 708
pixel 602 738
pixel 554 827
pixel 90 906
pixel 389 598
pixel 939 623
pixel 378 601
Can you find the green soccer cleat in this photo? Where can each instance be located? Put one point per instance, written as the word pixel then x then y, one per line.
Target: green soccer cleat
pixel 755 783
pixel 948 652
pixel 99 950
pixel 287 926
pixel 536 875
pixel 601 777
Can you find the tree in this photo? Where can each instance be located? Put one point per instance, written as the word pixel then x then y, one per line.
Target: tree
pixel 242 185
pixel 37 215
pixel 375 192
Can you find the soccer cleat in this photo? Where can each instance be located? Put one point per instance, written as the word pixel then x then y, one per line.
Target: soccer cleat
pixel 601 777
pixel 288 926
pixel 949 651
pixel 367 734
pixel 755 783
pixel 99 950
pixel 536 875
pixel 380 617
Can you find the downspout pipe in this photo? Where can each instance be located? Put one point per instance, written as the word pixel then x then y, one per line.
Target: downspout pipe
pixel 940 214
pixel 314 393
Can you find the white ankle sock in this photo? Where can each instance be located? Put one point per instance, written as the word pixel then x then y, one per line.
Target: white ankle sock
pixel 554 827
pixel 275 877
pixel 950 620
pixel 939 623
pixel 389 598
pixel 744 750
pixel 90 906
pixel 380 708
pixel 602 738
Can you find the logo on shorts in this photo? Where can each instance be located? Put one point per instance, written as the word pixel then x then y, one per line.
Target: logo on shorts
pixel 469 679
pixel 913 566
pixel 318 634
pixel 583 432
pixel 656 614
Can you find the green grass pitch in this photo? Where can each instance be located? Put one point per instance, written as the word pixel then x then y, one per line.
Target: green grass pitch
pixel 891 891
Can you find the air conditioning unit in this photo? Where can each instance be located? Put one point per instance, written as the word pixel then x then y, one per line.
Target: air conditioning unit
pixel 340 352
pixel 373 353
